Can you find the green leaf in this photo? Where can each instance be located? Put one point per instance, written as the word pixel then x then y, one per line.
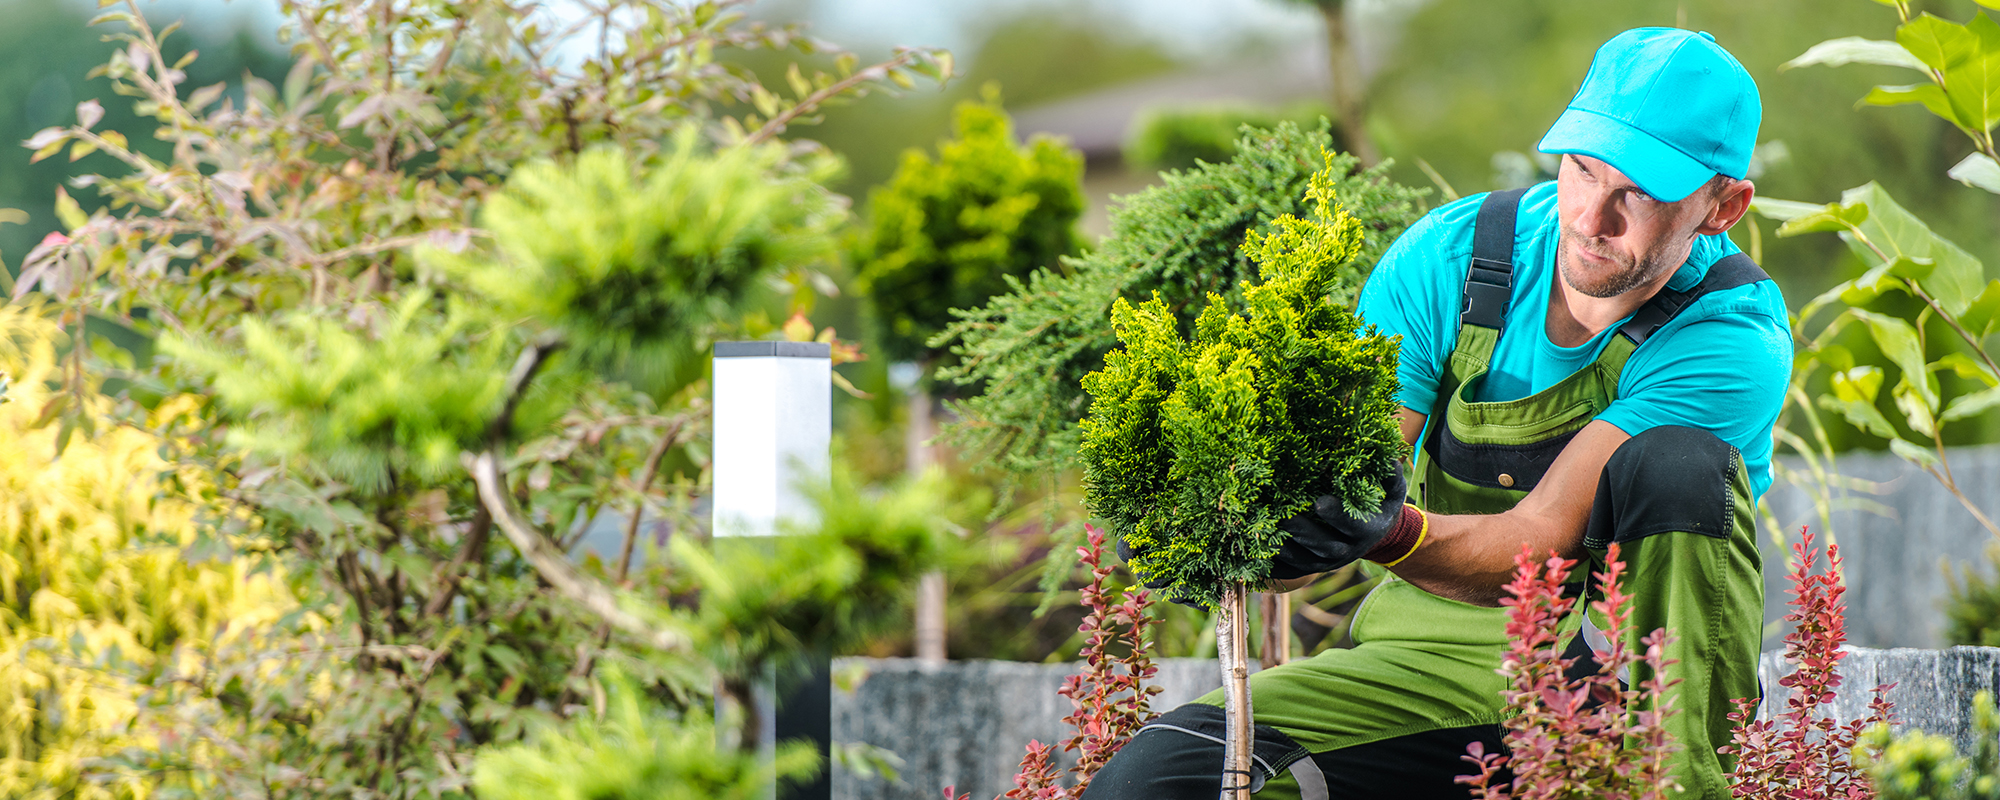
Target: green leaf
pixel 1912 452
pixel 1978 171
pixel 1966 367
pixel 1861 415
pixel 1830 217
pixel 1855 50
pixel 1957 278
pixel 13 216
pixel 1930 95
pixel 1939 43
pixel 1870 285
pixel 1782 210
pixel 1973 84
pixel 1971 405
pixel 1900 342
pixel 1918 407
pixel 1984 309
pixel 1908 268
pixel 68 211
pixel 1857 385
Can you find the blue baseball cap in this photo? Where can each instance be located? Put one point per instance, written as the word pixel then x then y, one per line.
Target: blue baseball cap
pixel 1668 107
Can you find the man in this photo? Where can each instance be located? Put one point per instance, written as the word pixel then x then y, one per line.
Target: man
pixel 1584 362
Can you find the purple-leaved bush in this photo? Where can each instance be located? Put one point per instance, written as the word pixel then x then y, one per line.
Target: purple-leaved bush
pixel 1110 698
pixel 1593 737
pixel 1804 751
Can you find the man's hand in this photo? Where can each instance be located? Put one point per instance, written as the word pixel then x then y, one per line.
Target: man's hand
pixel 1328 538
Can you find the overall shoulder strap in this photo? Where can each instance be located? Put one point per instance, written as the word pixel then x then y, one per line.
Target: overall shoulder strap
pixel 1728 273
pixel 1489 279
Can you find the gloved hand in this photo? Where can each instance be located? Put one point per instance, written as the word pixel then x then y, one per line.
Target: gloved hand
pixel 1326 537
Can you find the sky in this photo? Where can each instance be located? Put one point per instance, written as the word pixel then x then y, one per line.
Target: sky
pixel 1193 29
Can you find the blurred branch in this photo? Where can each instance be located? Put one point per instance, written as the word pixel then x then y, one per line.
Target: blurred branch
pixel 553 565
pixel 524 370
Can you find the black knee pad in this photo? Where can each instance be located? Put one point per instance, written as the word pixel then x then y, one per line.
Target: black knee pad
pixel 1178 756
pixel 1669 478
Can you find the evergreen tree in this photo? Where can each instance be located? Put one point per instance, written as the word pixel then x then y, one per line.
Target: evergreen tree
pixel 1028 350
pixel 950 233
pixel 1198 445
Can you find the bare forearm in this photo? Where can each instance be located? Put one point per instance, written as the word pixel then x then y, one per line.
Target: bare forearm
pixel 1470 558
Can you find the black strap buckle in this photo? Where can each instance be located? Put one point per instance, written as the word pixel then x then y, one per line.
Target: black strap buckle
pixel 1489 280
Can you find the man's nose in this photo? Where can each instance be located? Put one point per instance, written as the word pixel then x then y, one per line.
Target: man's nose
pixel 1599 216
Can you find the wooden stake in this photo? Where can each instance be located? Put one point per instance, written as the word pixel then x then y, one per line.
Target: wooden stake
pixel 1275 645
pixel 1233 648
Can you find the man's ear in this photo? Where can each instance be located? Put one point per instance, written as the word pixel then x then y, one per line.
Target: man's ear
pixel 1730 205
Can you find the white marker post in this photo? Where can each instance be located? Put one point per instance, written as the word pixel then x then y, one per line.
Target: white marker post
pixel 773 426
pixel 773 422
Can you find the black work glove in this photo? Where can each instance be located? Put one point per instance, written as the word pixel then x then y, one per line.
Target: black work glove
pixel 1326 537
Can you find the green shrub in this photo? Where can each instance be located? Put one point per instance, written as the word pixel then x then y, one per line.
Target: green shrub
pixel 950 233
pixel 1972 612
pixel 1921 766
pixel 1178 138
pixel 635 749
pixel 1181 241
pixel 1197 447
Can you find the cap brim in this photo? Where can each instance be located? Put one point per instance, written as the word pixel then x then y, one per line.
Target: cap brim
pixel 1667 174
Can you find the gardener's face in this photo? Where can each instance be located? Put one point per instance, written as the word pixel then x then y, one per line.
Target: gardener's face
pixel 1615 237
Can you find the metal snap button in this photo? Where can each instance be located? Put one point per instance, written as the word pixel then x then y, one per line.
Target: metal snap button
pixel 1506 480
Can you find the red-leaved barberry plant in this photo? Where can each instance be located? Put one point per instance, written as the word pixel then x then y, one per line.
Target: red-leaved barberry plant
pixel 1110 697
pixel 1804 751
pixel 1594 737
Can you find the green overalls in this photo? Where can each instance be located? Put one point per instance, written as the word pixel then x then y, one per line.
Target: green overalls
pixel 1421 677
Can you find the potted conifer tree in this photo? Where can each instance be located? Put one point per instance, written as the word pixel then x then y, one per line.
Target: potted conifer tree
pixel 1197 446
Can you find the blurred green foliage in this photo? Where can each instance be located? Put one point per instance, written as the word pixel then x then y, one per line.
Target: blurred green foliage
pixel 1176 138
pixel 628 268
pixel 1972 612
pixel 832 584
pixel 1196 447
pixel 632 749
pixel 46 52
pixel 308 254
pixel 1915 765
pixel 949 233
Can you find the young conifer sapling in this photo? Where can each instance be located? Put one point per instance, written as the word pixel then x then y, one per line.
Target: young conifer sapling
pixel 1198 445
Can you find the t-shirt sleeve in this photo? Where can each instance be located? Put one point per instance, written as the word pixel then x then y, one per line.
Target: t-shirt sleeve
pixel 1414 293
pixel 1724 373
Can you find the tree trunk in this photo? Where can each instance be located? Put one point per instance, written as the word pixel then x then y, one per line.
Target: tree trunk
pixel 1232 647
pixel 918 457
pixel 1275 645
pixel 1350 89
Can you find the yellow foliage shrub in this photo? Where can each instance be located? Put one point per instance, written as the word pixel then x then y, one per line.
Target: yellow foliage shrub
pixel 96 598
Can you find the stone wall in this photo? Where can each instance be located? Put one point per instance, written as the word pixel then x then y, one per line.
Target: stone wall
pixel 1893 542
pixel 965 723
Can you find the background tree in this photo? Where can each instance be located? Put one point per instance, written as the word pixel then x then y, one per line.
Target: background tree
pixel 449 285
pixel 949 234
pixel 1349 86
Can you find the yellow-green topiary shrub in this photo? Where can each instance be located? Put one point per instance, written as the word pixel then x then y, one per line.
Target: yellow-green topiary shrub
pixel 96 598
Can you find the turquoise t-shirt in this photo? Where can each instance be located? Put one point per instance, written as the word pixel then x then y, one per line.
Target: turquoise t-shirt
pixel 1722 365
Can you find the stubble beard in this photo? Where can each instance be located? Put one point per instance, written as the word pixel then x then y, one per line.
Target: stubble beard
pixel 1631 273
